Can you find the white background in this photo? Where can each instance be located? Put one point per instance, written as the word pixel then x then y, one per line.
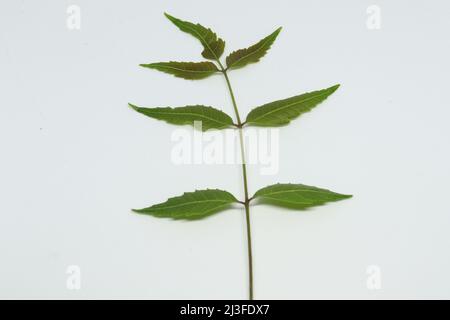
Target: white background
pixel 75 159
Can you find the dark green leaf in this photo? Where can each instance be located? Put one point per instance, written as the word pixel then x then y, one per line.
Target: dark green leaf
pixel 281 112
pixel 242 57
pixel 212 45
pixel 210 118
pixel 297 196
pixel 185 70
pixel 191 205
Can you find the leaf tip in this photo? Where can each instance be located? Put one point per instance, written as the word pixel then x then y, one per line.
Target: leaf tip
pixel 345 196
pixel 168 16
pixel 132 106
pixel 149 65
pixel 334 88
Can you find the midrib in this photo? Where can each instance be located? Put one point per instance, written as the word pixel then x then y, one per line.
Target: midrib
pixel 189 114
pixel 287 106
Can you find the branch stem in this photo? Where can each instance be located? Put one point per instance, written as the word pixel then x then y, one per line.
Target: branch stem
pixel 249 247
pixel 236 111
pixel 244 175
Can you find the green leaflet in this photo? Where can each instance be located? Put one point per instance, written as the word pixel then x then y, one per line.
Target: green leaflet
pixel 213 46
pixel 185 70
pixel 281 112
pixel 297 196
pixel 191 205
pixel 210 118
pixel 242 57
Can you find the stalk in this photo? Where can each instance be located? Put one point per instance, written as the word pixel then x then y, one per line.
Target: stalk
pixel 244 176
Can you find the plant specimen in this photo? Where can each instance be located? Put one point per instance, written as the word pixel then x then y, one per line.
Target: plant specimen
pixel 202 203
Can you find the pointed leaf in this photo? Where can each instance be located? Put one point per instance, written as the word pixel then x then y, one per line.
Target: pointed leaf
pixel 191 205
pixel 213 46
pixel 210 118
pixel 297 196
pixel 185 70
pixel 281 112
pixel 242 57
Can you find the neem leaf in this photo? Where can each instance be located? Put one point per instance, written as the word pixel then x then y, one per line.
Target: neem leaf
pixel 210 118
pixel 281 112
pixel 185 70
pixel 213 46
pixel 191 205
pixel 297 196
pixel 242 57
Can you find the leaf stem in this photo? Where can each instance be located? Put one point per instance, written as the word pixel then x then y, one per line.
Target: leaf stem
pixel 232 97
pixel 249 246
pixel 244 175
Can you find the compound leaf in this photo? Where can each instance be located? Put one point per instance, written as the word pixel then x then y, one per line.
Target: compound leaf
pixel 242 57
pixel 212 45
pixel 191 205
pixel 297 196
pixel 185 70
pixel 210 117
pixel 281 112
